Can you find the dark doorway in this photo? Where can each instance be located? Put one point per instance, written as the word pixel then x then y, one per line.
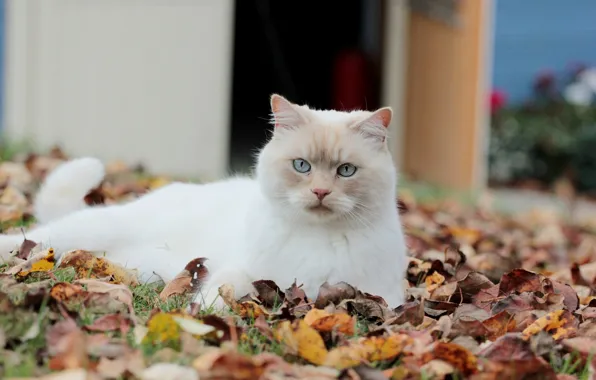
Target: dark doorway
pixel 293 48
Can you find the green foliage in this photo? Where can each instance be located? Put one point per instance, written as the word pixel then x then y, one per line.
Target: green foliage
pixel 544 142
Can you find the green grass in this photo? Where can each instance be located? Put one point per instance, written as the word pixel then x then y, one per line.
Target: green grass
pixel 9 149
pixel 430 193
pixel 571 364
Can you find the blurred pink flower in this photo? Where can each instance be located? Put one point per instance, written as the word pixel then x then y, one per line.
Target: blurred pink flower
pixel 498 99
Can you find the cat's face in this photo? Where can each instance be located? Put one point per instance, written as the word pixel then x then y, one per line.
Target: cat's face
pixel 327 165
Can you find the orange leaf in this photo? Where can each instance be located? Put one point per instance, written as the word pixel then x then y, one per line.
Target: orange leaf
pixel 323 321
pixel 63 292
pixel 434 281
pixel 456 355
pixel 466 235
pixel 559 323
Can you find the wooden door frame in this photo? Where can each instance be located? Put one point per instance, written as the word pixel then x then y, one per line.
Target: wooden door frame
pixel 448 113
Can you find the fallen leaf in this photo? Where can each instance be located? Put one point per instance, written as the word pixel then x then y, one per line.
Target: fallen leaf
pixel 269 293
pixel 334 294
pixel 66 293
pixel 169 371
pixel 111 322
pixel 41 262
pixel 179 285
pixel 119 292
pixel 193 326
pixel 520 280
pixel 560 324
pixel 434 281
pixel 369 309
pixel 222 364
pixel 225 330
pixel 371 349
pixel 89 266
pixel 162 329
pixel 190 279
pixel 25 248
pixel 68 345
pixel 459 357
pixel 323 321
pixel 302 340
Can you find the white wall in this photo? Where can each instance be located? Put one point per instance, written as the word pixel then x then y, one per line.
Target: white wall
pixel 138 80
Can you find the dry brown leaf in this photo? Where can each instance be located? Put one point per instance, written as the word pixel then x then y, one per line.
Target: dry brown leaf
pixel 110 322
pixel 69 347
pixel 190 279
pixel 119 292
pixel 179 285
pixel 334 294
pixel 269 293
pixel 26 248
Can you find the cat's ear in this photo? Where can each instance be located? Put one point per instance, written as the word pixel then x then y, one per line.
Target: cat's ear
pixel 375 127
pixel 286 114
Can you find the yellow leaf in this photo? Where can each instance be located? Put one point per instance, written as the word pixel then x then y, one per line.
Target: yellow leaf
pixel 384 348
pixel 367 350
pixel 167 328
pixel 43 265
pixel 321 320
pixel 302 340
pixel 346 356
pixel 434 281
pixel 162 328
pixel 466 235
pixel 559 323
pixel 158 182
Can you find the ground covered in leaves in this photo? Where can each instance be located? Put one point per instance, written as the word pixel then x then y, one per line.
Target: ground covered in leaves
pixel 489 297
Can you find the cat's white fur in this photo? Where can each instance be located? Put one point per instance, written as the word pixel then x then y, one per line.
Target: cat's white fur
pixel 252 228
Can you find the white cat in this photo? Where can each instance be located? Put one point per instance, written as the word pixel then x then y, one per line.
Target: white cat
pixel 322 207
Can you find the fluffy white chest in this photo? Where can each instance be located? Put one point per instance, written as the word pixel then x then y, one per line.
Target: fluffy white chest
pixel 364 258
pixel 310 258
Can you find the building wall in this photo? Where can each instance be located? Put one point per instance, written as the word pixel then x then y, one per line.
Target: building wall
pixel 140 80
pixel 446 102
pixel 531 35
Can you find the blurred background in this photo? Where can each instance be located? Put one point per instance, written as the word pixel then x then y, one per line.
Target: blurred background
pixel 494 93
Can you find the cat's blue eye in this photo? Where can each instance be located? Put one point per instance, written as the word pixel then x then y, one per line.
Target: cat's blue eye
pixel 346 170
pixel 301 166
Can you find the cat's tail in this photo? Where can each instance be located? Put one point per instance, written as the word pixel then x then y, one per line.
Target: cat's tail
pixel 65 188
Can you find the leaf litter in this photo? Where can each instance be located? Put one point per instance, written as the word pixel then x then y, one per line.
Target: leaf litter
pixel 489 296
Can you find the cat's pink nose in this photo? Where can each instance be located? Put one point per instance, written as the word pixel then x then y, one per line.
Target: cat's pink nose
pixel 321 193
